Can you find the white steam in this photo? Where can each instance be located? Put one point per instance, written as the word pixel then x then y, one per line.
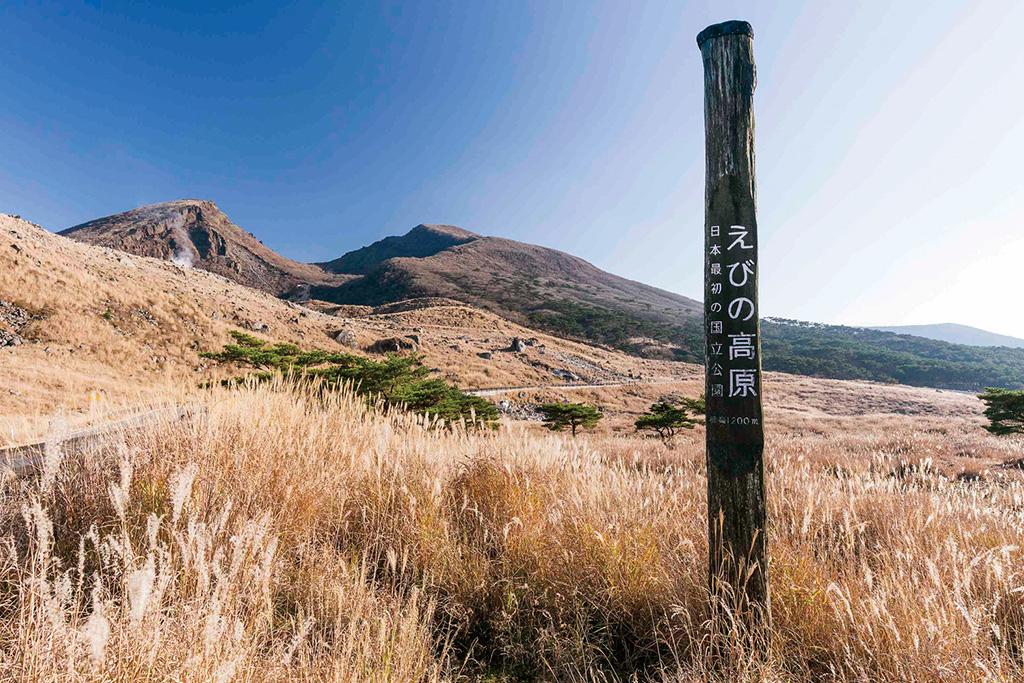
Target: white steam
pixel 183 256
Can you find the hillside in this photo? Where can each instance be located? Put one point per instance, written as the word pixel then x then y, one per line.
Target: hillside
pixel 860 353
pixel 956 334
pixel 197 233
pixel 79 322
pixel 534 285
pixel 542 289
pixel 567 296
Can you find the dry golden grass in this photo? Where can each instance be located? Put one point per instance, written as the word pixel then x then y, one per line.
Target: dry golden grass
pixel 277 537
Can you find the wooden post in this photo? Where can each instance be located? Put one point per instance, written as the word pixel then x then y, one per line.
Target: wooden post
pixel 738 569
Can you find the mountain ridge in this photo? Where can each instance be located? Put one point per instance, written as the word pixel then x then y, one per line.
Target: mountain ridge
pixel 423 240
pixel 955 333
pixel 500 274
pixel 562 294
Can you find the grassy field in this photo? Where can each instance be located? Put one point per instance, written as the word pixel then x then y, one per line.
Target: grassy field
pixel 278 536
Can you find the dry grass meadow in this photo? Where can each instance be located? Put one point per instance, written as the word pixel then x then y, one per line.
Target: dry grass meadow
pixel 277 536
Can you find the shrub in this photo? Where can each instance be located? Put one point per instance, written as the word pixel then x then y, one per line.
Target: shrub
pixel 1005 410
pixel 665 418
pixel 397 381
pixel 558 416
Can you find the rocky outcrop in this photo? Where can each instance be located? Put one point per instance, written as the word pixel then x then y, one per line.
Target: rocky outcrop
pixel 344 336
pixel 195 233
pixel 13 320
pixel 395 344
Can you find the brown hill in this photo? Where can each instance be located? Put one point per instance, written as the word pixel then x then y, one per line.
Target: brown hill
pixel 420 242
pixel 529 284
pixel 543 289
pixel 78 320
pixel 524 282
pixel 193 232
pixel 567 296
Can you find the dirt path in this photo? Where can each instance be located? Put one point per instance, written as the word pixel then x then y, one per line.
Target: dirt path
pixel 29 457
pixel 496 391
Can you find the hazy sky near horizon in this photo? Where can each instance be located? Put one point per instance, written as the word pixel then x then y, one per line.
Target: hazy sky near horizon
pixel 889 139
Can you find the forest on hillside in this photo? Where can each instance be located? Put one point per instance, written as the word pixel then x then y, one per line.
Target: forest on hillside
pixel 813 349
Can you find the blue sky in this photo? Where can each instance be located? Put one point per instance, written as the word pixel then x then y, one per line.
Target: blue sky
pixel 889 139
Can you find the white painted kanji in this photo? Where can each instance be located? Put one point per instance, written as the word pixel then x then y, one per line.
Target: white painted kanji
pixel 742 382
pixel 741 346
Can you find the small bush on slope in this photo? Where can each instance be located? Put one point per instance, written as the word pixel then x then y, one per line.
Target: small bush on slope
pixel 398 380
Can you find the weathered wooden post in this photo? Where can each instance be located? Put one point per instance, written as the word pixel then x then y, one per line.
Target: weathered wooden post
pixel 738 567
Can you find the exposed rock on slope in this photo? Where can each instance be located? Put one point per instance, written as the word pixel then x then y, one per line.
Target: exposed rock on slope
pixel 12 320
pixel 196 233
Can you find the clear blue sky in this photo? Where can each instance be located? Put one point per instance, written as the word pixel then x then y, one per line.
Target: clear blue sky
pixel 889 139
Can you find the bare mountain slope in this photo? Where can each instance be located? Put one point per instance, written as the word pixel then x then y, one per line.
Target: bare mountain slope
pixel 524 282
pixel 421 241
pixel 196 233
pixel 77 320
pixel 562 294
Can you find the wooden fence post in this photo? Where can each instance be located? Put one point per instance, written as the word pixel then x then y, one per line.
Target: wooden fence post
pixel 738 570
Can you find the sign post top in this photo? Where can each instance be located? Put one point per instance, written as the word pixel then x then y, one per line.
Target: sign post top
pixel 726 28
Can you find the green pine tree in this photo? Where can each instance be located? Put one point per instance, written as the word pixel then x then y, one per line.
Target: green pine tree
pixel 1004 409
pixel 665 419
pixel 398 380
pixel 559 416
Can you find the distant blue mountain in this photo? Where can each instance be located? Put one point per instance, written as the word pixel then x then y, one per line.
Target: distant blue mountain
pixel 956 334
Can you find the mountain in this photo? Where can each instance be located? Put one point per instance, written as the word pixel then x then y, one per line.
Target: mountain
pixel 530 284
pixel 420 242
pixel 78 320
pixel 542 289
pixel 956 334
pixel 196 233
pixel 565 295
